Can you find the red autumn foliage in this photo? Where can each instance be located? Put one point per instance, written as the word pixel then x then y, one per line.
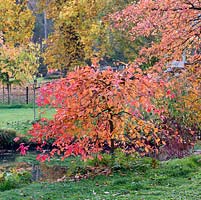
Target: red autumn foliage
pixel 99 110
pixel 174 25
pixel 23 149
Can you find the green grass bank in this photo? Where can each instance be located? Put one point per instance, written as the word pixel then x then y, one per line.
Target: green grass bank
pixel 175 179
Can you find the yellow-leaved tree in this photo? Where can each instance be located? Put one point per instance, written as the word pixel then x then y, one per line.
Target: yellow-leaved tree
pixel 82 30
pixel 18 56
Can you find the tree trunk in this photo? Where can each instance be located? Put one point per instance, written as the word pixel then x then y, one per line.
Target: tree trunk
pixel 45 25
pixel 8 88
pixel 27 95
pixel 8 92
pixel 112 140
pixel 3 93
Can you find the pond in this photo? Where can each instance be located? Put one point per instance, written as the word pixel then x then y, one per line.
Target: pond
pixel 39 171
pixel 10 159
pixel 7 156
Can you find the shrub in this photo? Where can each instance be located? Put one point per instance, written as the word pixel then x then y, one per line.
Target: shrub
pixel 7 142
pixel 179 139
pixel 121 161
pixel 6 138
pixel 13 179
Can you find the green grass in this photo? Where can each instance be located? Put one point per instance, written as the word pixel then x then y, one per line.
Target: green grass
pixel 175 179
pixel 19 117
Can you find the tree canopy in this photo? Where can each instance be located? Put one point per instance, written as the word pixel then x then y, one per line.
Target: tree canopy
pixel 16 22
pixel 134 109
pixel 140 108
pixel 88 24
pixel 174 23
pixel 17 54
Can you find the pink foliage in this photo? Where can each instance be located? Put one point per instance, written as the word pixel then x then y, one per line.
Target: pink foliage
pixel 16 139
pixel 23 149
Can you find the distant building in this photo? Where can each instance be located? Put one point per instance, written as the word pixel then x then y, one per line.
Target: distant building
pixel 176 66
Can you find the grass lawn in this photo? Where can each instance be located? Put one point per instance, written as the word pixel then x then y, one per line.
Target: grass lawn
pixel 20 118
pixel 175 179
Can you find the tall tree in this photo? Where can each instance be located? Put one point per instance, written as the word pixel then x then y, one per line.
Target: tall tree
pixel 16 22
pixel 17 55
pixel 19 63
pixel 64 48
pixel 98 111
pixel 174 23
pixel 89 21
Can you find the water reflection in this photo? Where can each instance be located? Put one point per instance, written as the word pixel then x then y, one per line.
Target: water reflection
pixel 7 156
pixel 39 171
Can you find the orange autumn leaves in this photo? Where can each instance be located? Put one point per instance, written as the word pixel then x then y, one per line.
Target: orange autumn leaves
pixel 175 25
pixel 174 28
pixel 132 109
pixel 95 113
